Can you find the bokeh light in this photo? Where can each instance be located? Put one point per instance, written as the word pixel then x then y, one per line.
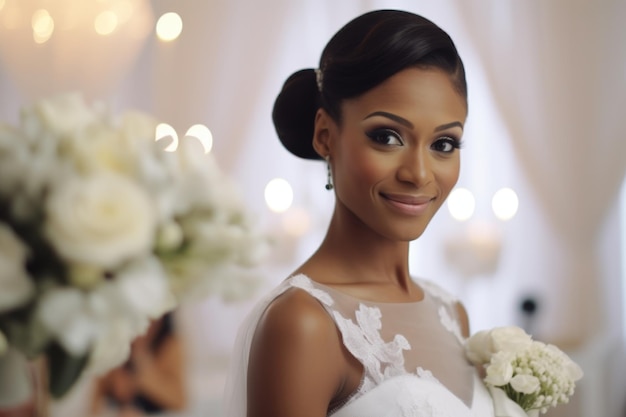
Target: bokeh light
pixel 203 134
pixel 163 130
pixel 169 26
pixel 43 26
pixel 278 195
pixel 505 204
pixel 105 23
pixel 461 204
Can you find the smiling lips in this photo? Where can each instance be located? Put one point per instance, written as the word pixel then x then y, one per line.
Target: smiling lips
pixel 408 204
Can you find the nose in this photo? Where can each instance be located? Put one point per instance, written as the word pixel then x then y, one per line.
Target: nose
pixel 416 167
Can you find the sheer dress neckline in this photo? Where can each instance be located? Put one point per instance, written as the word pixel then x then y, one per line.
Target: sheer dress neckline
pixel 420 338
pixel 355 298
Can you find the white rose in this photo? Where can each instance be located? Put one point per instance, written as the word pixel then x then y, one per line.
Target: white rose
pixel 101 220
pixel 500 370
pixel 526 384
pixel 510 338
pixel 145 287
pixel 59 115
pixel 16 286
pixel 479 347
pixel 118 322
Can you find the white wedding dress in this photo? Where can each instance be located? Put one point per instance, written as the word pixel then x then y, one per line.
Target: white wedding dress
pixel 412 355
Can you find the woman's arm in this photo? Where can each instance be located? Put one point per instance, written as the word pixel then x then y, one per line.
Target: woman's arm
pixel 296 365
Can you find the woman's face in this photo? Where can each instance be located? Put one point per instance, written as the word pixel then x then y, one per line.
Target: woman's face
pixel 395 156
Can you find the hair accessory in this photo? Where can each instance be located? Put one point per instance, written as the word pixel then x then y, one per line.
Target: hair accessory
pixel 319 77
pixel 329 176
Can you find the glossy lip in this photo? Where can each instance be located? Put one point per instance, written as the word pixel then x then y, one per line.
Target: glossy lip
pixel 411 205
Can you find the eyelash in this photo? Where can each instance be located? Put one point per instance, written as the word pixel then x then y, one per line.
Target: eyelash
pixel 454 142
pixel 376 134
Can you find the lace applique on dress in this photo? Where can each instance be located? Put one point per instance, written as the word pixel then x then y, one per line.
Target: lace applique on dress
pixel 411 405
pixel 380 359
pixel 450 323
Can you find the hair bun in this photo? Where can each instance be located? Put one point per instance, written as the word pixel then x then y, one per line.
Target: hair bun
pixel 294 113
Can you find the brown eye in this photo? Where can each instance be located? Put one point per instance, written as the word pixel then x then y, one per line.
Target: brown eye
pixel 385 137
pixel 446 144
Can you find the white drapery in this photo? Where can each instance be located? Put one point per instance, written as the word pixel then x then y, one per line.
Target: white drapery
pixel 559 79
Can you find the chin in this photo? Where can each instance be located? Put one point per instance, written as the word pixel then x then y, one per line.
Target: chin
pixel 406 234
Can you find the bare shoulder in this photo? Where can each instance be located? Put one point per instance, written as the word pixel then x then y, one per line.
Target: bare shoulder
pixel 298 314
pixel 297 343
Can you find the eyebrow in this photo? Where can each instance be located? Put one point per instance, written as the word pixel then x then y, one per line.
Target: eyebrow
pixel 408 124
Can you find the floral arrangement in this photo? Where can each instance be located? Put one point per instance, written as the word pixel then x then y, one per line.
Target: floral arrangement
pixel 102 230
pixel 524 376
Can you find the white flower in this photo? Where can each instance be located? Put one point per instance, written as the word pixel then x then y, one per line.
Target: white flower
pixel 102 220
pixel 500 370
pixel 60 115
pixel 482 345
pixel 479 347
pixel 526 384
pixel 531 374
pixel 16 286
pixel 510 338
pixel 122 230
pixel 146 288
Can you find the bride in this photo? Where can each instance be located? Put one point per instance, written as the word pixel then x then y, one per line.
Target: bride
pixel 351 333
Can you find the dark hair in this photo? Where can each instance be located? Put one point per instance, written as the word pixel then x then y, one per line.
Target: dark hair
pixel 364 53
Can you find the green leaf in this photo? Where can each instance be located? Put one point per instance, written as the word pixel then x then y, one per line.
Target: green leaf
pixel 63 369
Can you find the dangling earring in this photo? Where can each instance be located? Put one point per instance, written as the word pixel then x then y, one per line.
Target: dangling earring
pixel 329 177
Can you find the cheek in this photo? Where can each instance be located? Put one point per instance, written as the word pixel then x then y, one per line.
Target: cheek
pixel 448 175
pixel 361 169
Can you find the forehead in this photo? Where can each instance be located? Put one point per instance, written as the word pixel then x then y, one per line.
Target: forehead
pixel 417 94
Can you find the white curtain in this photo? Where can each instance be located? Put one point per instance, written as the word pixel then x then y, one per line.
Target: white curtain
pixel 558 75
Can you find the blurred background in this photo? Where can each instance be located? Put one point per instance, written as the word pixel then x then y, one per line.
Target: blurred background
pixel 534 235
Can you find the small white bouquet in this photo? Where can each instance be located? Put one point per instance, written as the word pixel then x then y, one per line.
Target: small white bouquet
pixel 102 230
pixel 524 376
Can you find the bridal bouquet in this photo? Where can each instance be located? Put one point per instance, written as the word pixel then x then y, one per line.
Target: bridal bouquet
pixel 102 230
pixel 524 376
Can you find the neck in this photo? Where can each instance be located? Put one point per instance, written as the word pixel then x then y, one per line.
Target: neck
pixel 359 254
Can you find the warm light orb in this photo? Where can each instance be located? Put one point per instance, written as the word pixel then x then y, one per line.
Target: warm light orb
pixel 461 204
pixel 278 195
pixel 105 23
pixel 163 130
pixel 169 26
pixel 505 204
pixel 203 134
pixel 42 25
pixel 2 4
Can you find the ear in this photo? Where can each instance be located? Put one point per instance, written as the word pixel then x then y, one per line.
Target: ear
pixel 323 133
